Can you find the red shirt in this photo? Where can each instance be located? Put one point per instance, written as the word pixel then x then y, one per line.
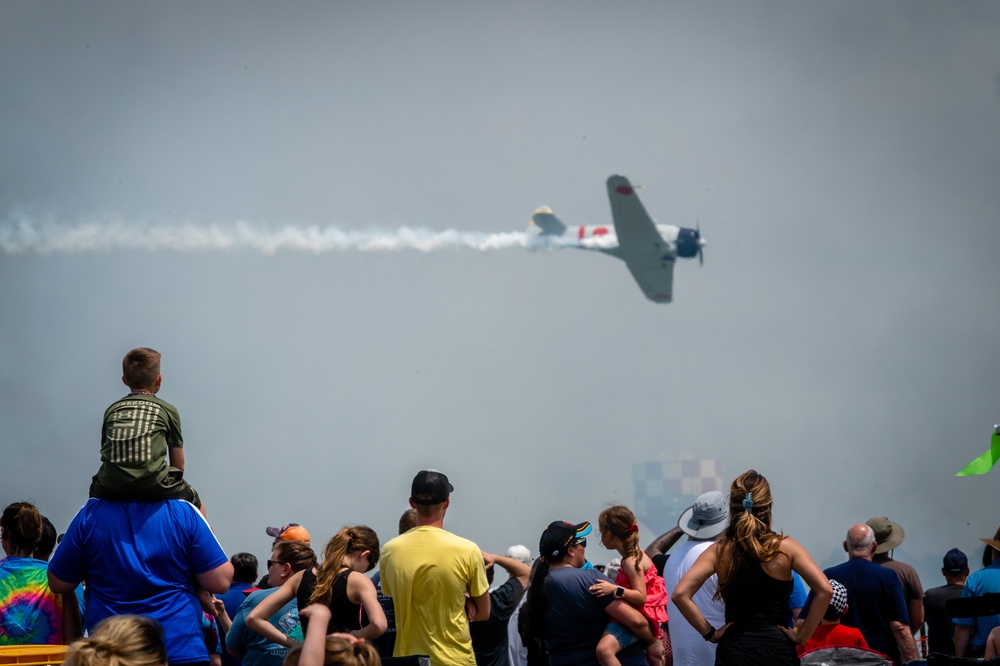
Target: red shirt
pixel 833 634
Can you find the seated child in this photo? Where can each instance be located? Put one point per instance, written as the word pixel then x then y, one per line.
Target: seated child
pixel 830 631
pixel 142 454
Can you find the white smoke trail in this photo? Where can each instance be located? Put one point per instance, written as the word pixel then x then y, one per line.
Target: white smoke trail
pixel 26 236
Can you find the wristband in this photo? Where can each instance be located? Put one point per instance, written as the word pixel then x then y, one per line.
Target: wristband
pixel 708 634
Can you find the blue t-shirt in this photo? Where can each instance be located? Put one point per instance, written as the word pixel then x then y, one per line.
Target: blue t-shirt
pixel 981 582
pixel 575 619
pixel 141 558
pixel 257 650
pixel 797 598
pixel 233 599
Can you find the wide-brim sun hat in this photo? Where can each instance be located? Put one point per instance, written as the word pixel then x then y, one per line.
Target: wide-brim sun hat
pixel 708 517
pixel 888 535
pixel 994 542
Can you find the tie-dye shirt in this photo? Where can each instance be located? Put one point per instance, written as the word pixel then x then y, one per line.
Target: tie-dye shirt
pixel 30 613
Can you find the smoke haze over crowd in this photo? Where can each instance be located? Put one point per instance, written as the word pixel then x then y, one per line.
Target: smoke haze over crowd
pixel 201 178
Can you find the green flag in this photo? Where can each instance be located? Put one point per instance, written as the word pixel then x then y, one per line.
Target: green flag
pixel 985 462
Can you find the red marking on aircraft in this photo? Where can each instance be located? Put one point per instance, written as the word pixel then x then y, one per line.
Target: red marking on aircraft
pixel 624 190
pixel 581 233
pixel 600 231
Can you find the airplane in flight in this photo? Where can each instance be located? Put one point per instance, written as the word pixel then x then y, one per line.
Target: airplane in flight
pixel 649 250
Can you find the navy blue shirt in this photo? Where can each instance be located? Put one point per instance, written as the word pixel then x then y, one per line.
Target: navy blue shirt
pixel 575 620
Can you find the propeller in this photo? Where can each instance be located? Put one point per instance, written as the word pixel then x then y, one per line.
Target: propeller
pixel 701 243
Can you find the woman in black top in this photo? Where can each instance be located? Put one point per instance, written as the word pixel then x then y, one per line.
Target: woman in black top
pixel 754 565
pixel 339 583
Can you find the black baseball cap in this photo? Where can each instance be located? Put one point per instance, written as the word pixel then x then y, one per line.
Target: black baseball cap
pixel 430 487
pixel 955 561
pixel 559 536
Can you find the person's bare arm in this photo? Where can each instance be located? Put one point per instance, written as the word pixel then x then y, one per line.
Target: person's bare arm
pixel 175 455
pixel 689 584
pixel 222 618
pixel 482 604
pixel 664 542
pixel 802 563
pixel 217 580
pixel 60 586
pixel 993 643
pixel 916 608
pixel 514 568
pixel 71 619
pixel 314 642
pixel 904 639
pixel 361 588
pixel 634 596
pixel 962 636
pixel 257 620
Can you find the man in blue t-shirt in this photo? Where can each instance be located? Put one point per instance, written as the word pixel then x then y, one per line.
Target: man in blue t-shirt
pixel 143 558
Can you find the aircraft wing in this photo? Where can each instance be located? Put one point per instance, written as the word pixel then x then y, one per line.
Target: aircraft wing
pixel 649 258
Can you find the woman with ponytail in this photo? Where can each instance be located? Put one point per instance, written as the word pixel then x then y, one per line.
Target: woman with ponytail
pixel 754 565
pixel 120 640
pixel 339 583
pixel 637 583
pixel 30 612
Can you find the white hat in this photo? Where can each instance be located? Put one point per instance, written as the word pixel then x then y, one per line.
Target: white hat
pixel 519 553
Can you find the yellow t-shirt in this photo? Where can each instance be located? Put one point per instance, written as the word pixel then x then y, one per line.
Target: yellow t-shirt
pixel 427 571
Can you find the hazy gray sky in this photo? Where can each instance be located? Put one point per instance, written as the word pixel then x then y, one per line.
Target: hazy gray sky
pixel 841 158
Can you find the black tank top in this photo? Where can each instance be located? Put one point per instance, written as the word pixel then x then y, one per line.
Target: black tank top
pixel 757 598
pixel 344 615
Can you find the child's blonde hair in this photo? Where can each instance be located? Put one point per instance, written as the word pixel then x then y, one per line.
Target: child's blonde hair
pixel 339 653
pixel 120 640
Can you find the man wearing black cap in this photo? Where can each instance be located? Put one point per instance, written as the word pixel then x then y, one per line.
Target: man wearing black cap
pixel 429 572
pixel 940 631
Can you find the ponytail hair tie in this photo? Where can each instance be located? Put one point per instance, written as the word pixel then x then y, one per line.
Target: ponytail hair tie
pixel 633 528
pixel 748 502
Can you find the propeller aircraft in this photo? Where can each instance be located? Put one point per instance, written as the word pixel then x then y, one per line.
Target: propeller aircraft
pixel 649 250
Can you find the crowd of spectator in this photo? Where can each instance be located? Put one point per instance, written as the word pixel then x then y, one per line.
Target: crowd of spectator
pixel 434 593
pixel 139 579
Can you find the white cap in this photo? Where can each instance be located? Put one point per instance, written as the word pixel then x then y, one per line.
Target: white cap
pixel 519 553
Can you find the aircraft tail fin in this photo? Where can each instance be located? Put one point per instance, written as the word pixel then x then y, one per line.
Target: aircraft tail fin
pixel 547 224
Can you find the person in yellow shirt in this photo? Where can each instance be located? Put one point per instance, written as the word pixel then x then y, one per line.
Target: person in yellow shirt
pixel 429 572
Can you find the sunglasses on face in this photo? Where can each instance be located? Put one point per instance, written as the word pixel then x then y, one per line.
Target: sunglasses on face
pixel 271 563
pixel 580 542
